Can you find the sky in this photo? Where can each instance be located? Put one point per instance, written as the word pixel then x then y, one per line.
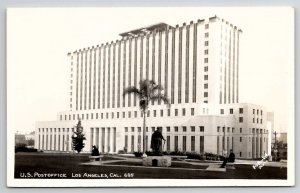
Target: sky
pixel 38 40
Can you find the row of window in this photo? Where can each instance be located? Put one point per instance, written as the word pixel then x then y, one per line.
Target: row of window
pixel 130 114
pixel 56 129
pixel 168 129
pixel 241 111
pixel 257 112
pixel 251 130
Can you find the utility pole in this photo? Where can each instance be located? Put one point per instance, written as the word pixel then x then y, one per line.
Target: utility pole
pixel 275 147
pixel 224 149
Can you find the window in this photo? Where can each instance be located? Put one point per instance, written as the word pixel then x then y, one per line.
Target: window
pixel 176 143
pixel 222 111
pixel 154 113
pixel 129 114
pixel 132 129
pixel 183 112
pixel 205 85
pixel 139 129
pixel 184 129
pixel 206 52
pixel 205 77
pixel 106 115
pixel 146 129
pixel 169 112
pixel 241 110
pixel 240 154
pixel 231 111
pixel 184 143
pixel 112 115
pixel 153 129
pixel 148 113
pixel 205 101
pixel 168 129
pixel 126 129
pixel 257 120
pixel 240 119
pixel 241 139
pixel 218 129
pixel 82 116
pixel 206 34
pixel 205 68
pixel 205 94
pixel 253 120
pixel 261 121
pixel 206 26
pixel 205 60
pixel 257 111
pixel 232 129
pixel 201 128
pixel 135 114
pixel 241 130
pixel 101 115
pixel 192 111
pixel 123 114
pixel 228 129
pixel 118 114
pixel 176 129
pixel 253 111
pixel 97 116
pixel 176 112
pixel 161 113
pixel 192 143
pixel 261 112
pixel 193 129
pixel 206 43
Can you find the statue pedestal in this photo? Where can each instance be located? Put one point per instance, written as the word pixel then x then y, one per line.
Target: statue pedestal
pixel 158 161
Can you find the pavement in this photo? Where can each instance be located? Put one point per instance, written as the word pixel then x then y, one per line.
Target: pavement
pixel 212 165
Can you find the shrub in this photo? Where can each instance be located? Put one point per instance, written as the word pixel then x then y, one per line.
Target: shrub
pixel 138 154
pixel 193 155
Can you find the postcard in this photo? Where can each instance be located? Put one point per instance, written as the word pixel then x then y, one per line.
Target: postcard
pixel 150 96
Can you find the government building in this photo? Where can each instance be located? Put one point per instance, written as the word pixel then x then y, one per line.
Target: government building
pixel 197 63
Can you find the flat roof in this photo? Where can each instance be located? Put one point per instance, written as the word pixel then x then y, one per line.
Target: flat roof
pixel 146 28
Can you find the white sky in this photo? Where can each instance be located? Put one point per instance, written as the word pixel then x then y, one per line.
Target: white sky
pixel 38 41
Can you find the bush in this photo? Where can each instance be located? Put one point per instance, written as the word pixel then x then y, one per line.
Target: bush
pixel 121 151
pixel 95 151
pixel 24 148
pixel 193 155
pixel 138 154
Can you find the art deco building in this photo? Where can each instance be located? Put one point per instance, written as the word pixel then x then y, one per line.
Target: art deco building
pixel 197 63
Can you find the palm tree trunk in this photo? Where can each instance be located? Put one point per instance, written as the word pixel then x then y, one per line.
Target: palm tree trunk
pixel 144 132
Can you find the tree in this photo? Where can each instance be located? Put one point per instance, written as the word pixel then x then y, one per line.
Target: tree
pixel 77 140
pixel 147 92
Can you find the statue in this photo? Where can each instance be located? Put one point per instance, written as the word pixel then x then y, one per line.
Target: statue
pixel 156 142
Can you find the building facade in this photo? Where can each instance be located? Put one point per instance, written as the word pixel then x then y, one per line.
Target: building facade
pixel 198 66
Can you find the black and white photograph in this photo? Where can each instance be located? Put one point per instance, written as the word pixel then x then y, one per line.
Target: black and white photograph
pixel 150 96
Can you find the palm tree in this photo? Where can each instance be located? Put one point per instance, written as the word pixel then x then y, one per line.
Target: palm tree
pixel 147 92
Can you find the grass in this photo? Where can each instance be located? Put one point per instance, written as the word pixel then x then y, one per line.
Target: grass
pixel 70 163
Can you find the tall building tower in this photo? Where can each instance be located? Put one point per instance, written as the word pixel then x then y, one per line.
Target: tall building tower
pixel 195 63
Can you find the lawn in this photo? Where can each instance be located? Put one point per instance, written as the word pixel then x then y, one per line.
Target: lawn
pixel 69 165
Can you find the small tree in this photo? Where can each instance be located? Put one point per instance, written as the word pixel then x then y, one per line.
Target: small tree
pixel 77 140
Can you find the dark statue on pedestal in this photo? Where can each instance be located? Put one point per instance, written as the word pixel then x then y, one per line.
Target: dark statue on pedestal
pixel 156 142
